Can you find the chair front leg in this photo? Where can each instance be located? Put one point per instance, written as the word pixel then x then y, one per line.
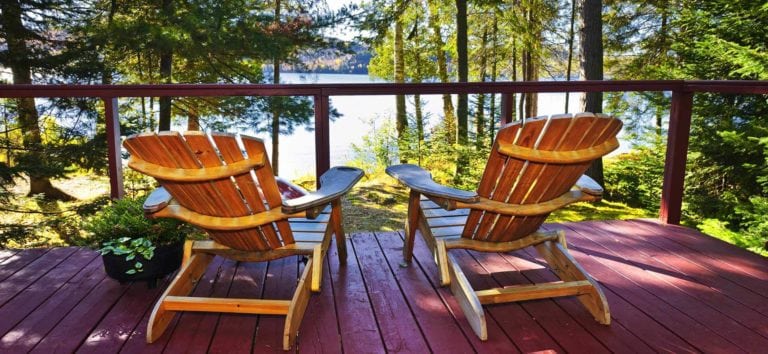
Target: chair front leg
pixel 182 285
pixel 338 230
pixel 318 253
pixel 411 225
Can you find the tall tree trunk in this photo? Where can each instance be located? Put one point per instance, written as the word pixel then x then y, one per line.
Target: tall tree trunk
pixel 275 108
pixel 442 70
pixel 571 35
pixel 494 43
pixel 592 66
pixel 401 117
pixel 193 118
pixel 418 113
pixel 462 109
pixel 18 58
pixel 513 97
pixel 166 60
pixel 662 53
pixel 531 65
pixel 480 110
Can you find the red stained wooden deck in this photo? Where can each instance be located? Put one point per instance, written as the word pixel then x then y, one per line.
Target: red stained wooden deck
pixel 670 289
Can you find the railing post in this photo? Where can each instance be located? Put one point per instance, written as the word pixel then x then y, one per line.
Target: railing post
pixel 322 136
pixel 115 163
pixel 677 153
pixel 506 108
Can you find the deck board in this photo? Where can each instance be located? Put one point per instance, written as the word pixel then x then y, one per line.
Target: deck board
pixel 433 317
pixel 355 317
pixel 685 290
pixel 669 288
pixel 497 341
pixel 396 321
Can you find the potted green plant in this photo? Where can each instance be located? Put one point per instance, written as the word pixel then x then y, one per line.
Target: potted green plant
pixel 133 247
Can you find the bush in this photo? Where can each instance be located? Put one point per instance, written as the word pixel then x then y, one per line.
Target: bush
pixel 125 218
pixel 755 224
pixel 635 178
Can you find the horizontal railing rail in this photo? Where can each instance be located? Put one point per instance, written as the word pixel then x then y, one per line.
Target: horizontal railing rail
pixel 677 142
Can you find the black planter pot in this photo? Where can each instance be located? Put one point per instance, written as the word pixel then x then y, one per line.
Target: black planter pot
pixel 166 260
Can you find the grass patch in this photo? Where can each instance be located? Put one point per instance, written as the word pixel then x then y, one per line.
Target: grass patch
pixel 719 229
pixel 376 203
pixel 602 210
pixel 27 222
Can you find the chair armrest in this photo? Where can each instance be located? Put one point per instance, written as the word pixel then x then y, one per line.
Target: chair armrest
pixel 157 200
pixel 333 184
pixel 421 181
pixel 588 185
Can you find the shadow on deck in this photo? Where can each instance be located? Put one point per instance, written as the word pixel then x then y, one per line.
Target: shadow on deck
pixel 669 288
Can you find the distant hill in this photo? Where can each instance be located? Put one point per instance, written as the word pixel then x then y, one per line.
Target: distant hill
pixel 346 59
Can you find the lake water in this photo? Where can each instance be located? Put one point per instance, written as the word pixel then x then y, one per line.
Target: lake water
pixel 360 114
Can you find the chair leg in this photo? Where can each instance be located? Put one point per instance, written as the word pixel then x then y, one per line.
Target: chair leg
pixel 467 299
pixel 566 267
pixel 338 230
pixel 411 224
pixel 318 255
pixel 298 306
pixel 182 285
pixel 441 255
pixel 187 251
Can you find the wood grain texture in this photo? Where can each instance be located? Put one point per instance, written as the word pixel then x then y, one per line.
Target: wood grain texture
pixel 45 316
pixel 468 301
pixel 233 195
pixel 556 157
pixel 196 174
pixel 335 183
pixel 532 170
pixel 671 289
pixel 418 179
pixel 397 324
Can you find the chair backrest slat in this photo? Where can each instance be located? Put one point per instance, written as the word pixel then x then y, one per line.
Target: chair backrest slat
pixel 269 189
pixel 526 182
pixel 550 136
pixel 250 187
pixel 226 197
pixel 499 177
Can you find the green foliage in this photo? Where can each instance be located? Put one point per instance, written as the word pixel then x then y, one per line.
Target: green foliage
pixel 7 176
pixel 124 218
pixel 379 148
pixel 635 178
pixel 36 221
pixel 755 223
pixel 130 248
pixel 722 230
pixel 725 185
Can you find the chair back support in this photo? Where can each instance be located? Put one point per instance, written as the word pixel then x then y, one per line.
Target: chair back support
pixel 519 181
pixel 246 193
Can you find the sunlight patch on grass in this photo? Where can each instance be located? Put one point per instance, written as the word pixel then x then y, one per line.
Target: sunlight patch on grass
pixel 602 210
pixel 46 223
pixel 376 203
pixel 719 229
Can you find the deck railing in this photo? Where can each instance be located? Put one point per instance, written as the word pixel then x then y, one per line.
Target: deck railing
pixel 677 142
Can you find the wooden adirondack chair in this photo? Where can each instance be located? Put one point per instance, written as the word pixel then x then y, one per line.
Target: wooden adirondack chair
pixel 534 168
pixel 225 186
